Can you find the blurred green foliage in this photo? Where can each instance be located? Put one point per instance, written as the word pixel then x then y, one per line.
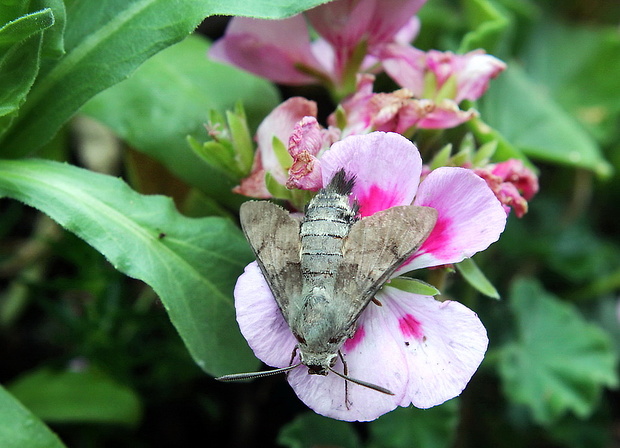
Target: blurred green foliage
pixel 107 360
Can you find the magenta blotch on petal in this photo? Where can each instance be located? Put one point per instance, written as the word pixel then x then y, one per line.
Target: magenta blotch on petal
pixel 410 327
pixel 351 343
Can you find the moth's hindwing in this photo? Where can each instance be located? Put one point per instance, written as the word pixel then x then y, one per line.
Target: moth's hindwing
pixel 274 237
pixel 373 250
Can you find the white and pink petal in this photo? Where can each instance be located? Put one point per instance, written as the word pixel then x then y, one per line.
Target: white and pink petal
pixel 387 167
pixel 443 344
pixel 260 319
pixel 470 218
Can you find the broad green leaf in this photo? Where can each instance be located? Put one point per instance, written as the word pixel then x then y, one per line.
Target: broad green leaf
pixel 19 428
pixel 169 97
pixel 488 26
pixel 525 115
pixel 312 430
pixel 77 396
pixel 419 428
pixel 192 264
pixel 105 42
pixel 476 278
pixel 559 362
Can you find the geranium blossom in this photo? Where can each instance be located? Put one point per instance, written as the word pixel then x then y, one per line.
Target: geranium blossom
pixel 351 33
pixel 423 350
pixel 399 111
pixel 440 75
pixel 513 184
pixel 276 128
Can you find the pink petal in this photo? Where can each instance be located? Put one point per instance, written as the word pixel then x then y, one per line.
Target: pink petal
pixel 478 70
pixel 406 65
pixel 431 115
pixel 470 217
pixel 260 319
pixel 281 123
pixel 443 344
pixel 387 167
pixel 408 32
pixel 345 23
pixel 254 185
pixel 373 358
pixel 269 48
pixel 342 23
pixel 390 17
pixel 355 107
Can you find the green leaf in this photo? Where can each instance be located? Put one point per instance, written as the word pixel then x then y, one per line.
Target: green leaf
pixel 525 115
pixel 488 26
pixel 311 430
pixel 105 43
pixel 77 396
pixel 20 48
pixel 192 264
pixel 559 362
pixel 583 77
pixel 170 97
pixel 19 428
pixel 476 278
pixel 18 15
pixel 420 428
pixel 486 135
pixel 414 286
pixel 25 26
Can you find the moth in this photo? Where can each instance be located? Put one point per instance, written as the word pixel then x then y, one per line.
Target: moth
pixel 324 269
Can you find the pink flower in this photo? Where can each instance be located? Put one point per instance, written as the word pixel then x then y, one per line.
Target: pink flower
pixel 351 32
pixel 513 184
pixel 423 350
pixel 289 143
pixel 398 111
pixel 452 76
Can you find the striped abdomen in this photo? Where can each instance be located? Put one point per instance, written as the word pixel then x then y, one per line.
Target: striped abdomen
pixel 329 217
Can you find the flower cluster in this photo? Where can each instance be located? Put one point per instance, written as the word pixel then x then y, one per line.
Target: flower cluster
pixel 427 349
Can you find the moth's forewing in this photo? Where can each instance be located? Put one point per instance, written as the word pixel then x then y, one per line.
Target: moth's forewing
pixel 373 250
pixel 274 237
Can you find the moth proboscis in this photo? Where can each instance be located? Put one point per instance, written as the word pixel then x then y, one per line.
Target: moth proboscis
pixel 324 270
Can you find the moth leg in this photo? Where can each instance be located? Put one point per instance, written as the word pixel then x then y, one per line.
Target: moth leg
pixel 345 369
pixel 376 301
pixel 290 363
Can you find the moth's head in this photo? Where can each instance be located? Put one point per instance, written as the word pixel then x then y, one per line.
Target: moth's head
pixel 318 363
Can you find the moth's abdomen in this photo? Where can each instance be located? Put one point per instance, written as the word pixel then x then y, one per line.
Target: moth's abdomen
pixel 329 217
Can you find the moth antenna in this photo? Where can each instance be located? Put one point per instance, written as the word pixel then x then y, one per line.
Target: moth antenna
pixel 362 383
pixel 252 375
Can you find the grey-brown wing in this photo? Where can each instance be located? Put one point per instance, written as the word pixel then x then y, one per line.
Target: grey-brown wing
pixel 373 250
pixel 273 235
